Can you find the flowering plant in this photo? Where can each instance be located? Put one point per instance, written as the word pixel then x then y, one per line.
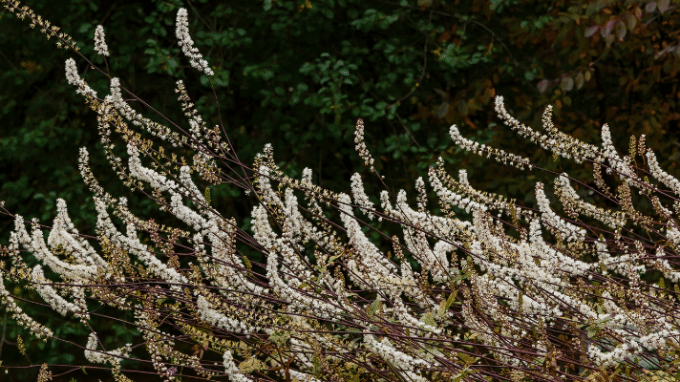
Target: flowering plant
pixel 509 293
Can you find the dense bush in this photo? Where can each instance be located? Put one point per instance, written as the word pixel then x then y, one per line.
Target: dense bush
pixel 317 293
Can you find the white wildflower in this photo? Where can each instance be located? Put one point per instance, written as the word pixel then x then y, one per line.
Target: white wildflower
pixel 187 44
pixel 99 42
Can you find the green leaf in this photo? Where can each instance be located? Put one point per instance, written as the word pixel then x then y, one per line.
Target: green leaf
pixel 85 28
pixel 374 307
pixel 468 360
pixel 206 195
pixel 446 304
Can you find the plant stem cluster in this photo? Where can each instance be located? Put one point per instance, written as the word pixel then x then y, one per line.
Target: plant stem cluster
pixel 476 287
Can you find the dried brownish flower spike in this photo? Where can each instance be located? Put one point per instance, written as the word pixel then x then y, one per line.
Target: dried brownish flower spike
pixel 24 12
pixel 360 146
pixel 44 375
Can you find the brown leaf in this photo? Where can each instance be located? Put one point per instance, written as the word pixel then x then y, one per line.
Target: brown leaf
pixel 663 5
pixel 198 350
pixel 444 36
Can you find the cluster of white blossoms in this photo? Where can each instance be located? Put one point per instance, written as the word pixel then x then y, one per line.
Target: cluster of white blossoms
pixel 131 242
pixel 559 143
pixel 64 234
pixel 51 296
pixel 452 198
pixel 360 197
pixel 114 357
pixel 215 318
pixel 73 78
pixel 36 243
pixel 481 149
pixel 661 175
pixel 232 370
pixel 99 42
pixel 472 296
pixel 621 166
pixel 404 363
pixel 555 222
pixel 187 44
pixel 533 263
pixel 23 319
pixel 570 199
pixel 116 98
